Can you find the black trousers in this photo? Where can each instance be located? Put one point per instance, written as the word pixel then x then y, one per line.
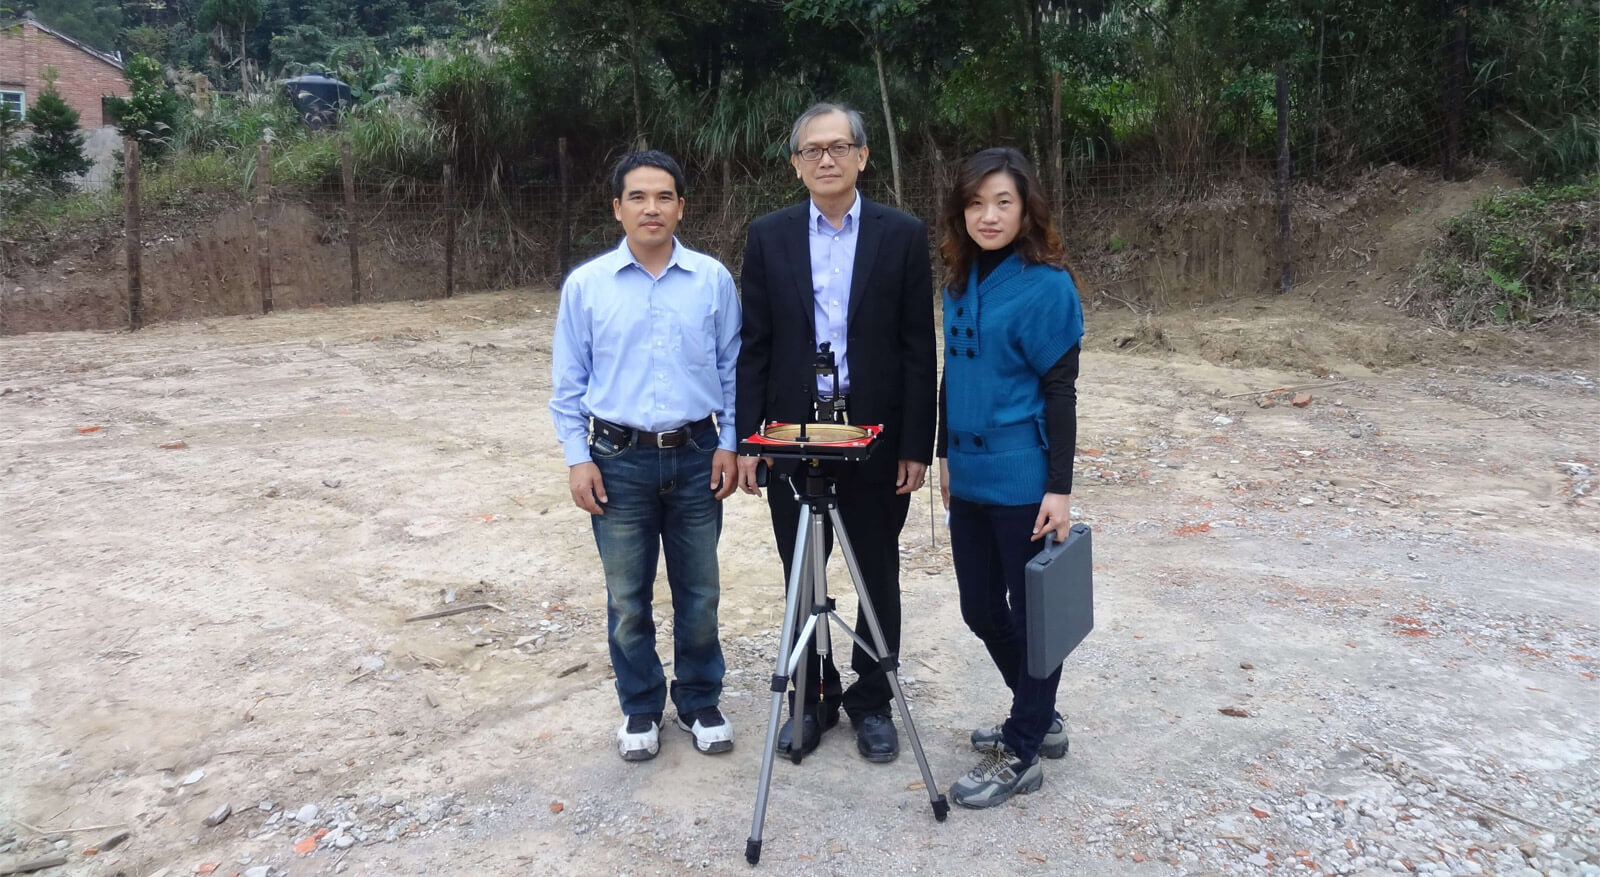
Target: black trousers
pixel 991 546
pixel 873 517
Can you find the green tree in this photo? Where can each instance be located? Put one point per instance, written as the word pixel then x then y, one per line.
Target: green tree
pixel 13 152
pixel 599 41
pixel 145 39
pixel 233 20
pixel 1534 69
pixel 95 22
pixel 881 26
pixel 150 112
pixel 55 151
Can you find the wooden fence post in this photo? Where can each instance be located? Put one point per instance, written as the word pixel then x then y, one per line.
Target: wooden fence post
pixel 262 202
pixel 1058 172
pixel 1285 242
pixel 350 225
pixel 449 231
pixel 132 240
pixel 564 206
pixel 1456 64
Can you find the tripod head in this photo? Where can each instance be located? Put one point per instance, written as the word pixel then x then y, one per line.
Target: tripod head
pixel 829 437
pixel 830 407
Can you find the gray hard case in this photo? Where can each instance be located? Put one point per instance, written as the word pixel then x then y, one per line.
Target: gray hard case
pixel 1060 595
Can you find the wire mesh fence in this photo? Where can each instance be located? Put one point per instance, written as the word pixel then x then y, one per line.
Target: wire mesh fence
pixel 1135 230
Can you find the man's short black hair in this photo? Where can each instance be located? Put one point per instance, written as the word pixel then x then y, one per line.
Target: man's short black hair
pixel 646 158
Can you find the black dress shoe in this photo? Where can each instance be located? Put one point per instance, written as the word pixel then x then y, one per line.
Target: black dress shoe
pixel 876 739
pixel 812 725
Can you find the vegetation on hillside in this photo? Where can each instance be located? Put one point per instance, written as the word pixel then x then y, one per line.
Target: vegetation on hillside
pixel 1177 88
pixel 1176 82
pixel 1523 256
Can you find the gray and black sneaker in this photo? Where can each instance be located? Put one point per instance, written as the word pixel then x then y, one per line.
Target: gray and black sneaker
pixel 639 738
pixel 998 776
pixel 1054 746
pixel 711 731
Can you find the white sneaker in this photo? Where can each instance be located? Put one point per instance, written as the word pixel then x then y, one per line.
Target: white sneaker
pixel 712 732
pixel 639 738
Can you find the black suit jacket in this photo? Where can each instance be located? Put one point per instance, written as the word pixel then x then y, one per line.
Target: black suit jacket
pixel 890 325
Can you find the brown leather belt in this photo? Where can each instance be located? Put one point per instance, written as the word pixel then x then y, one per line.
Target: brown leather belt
pixel 627 436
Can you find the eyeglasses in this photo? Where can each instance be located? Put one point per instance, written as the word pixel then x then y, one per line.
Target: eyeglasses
pixel 814 153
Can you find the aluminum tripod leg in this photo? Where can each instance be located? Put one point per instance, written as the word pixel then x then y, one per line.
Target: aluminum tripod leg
pixel 941 807
pixel 808 593
pixel 814 603
pixel 780 683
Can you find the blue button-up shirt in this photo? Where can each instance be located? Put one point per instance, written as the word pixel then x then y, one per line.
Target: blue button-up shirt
pixel 652 353
pixel 833 260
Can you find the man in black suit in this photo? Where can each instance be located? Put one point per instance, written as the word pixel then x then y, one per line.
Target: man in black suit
pixel 855 274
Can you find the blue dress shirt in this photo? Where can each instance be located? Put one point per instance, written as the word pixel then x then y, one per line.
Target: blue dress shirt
pixel 833 260
pixel 651 353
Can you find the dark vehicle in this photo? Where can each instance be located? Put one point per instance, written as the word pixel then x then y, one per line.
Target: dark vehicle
pixel 319 99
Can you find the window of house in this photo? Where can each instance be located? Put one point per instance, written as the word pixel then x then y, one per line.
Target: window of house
pixel 16 100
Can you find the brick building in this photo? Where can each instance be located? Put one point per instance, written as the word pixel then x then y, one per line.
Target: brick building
pixel 84 75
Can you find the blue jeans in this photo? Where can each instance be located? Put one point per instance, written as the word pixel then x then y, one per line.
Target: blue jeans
pixel 991 546
pixel 660 499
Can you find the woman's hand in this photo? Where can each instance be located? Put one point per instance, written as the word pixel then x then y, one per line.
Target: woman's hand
pixel 944 481
pixel 1055 516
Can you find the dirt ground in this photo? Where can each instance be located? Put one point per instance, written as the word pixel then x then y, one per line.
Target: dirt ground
pixel 214 533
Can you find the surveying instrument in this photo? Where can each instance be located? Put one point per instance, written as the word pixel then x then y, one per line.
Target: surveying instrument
pixel 829 441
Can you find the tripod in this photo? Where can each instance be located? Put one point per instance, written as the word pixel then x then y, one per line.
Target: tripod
pixel 808 596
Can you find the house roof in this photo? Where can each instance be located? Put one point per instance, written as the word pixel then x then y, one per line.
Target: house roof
pixel 115 60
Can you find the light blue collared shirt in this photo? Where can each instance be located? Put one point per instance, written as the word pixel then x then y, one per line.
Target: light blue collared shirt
pixel 833 260
pixel 645 352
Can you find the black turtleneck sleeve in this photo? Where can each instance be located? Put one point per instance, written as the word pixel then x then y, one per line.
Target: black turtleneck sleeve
pixel 1060 387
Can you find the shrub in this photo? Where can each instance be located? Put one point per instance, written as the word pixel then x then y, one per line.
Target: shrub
pixel 150 112
pixel 13 160
pixel 1523 256
pixel 56 147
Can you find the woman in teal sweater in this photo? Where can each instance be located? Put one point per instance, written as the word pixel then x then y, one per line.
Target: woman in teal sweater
pixel 1007 430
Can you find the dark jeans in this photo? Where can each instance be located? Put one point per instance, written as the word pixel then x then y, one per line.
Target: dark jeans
pixel 660 499
pixel 991 547
pixel 873 517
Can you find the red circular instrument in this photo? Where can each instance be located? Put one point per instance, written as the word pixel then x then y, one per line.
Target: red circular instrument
pixel 812 441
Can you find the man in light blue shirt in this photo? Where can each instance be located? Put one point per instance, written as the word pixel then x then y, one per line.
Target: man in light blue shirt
pixel 646 343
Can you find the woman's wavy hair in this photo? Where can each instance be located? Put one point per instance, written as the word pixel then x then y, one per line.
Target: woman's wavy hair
pixel 1037 240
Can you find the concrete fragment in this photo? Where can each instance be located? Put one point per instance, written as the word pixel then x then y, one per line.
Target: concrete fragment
pixel 219 816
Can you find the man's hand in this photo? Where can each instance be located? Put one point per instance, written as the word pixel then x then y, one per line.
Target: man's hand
pixel 909 477
pixel 724 473
pixel 944 481
pixel 588 490
pixel 747 473
pixel 1055 516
